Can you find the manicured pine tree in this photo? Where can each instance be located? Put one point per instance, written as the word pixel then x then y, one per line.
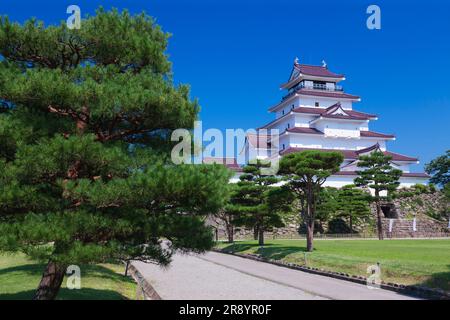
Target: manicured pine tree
pixel 353 204
pixel 327 205
pixel 446 191
pixel 227 215
pixel 256 203
pixel 378 174
pixel 439 169
pixel 305 172
pixel 85 173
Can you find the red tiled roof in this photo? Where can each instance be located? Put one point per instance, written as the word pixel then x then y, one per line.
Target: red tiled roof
pixel 304 130
pixel 360 114
pixel 342 116
pixel 404 174
pixel 317 71
pixel 324 111
pixel 415 174
pixel 328 94
pixel 230 163
pixel 372 134
pixel 352 154
pixel 399 157
pixel 376 146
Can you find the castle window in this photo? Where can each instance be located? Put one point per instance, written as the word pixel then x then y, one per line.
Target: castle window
pixel 316 104
pixel 283 146
pixel 283 112
pixel 288 125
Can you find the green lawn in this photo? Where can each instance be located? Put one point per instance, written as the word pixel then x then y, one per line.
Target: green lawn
pixel 420 262
pixel 19 278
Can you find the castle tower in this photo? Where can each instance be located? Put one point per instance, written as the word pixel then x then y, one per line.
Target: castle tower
pixel 317 114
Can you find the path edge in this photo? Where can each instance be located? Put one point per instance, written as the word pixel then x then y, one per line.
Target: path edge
pixel 146 288
pixel 413 290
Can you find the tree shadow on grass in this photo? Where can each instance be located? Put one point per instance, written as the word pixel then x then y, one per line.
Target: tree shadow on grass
pixel 98 272
pixel 28 269
pixel 66 294
pixel 440 280
pixel 240 247
pixel 278 252
pixel 86 270
pixel 269 251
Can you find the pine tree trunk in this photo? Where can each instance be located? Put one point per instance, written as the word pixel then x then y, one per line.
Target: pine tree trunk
pixel 261 236
pixel 255 232
pixel 51 282
pixel 310 235
pixel 230 233
pixel 310 222
pixel 379 224
pixel 351 224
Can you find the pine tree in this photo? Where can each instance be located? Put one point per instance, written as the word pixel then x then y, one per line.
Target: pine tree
pixel 327 205
pixel 306 172
pixel 439 168
pixel 85 174
pixel 256 203
pixel 379 175
pixel 226 216
pixel 353 204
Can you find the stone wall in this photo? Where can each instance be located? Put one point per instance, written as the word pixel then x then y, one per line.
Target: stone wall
pixel 289 231
pixel 410 205
pixel 431 210
pixel 404 228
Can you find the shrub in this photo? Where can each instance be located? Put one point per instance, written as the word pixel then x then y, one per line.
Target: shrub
pixel 420 189
pixel 432 188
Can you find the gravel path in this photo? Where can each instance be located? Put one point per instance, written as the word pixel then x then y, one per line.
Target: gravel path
pixel 216 276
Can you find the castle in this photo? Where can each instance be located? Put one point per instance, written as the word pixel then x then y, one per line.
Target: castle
pixel 316 114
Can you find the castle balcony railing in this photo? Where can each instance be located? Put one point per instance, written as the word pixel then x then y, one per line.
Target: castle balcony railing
pixel 320 86
pixel 315 86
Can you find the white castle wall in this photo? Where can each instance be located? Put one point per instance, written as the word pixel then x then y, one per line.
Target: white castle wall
pixel 303 120
pixel 310 102
pixel 340 129
pixel 340 181
pixel 312 141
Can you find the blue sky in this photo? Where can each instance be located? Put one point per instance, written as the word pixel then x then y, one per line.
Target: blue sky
pixel 236 53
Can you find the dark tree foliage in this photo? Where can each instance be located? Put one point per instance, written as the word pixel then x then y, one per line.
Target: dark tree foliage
pixel 327 205
pixel 353 204
pixel 378 175
pixel 446 191
pixel 305 174
pixel 255 203
pixel 85 175
pixel 226 216
pixel 439 169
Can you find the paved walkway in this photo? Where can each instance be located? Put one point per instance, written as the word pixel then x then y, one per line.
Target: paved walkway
pixel 216 276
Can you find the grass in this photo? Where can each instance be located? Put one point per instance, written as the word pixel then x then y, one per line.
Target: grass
pixel 419 262
pixel 19 278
